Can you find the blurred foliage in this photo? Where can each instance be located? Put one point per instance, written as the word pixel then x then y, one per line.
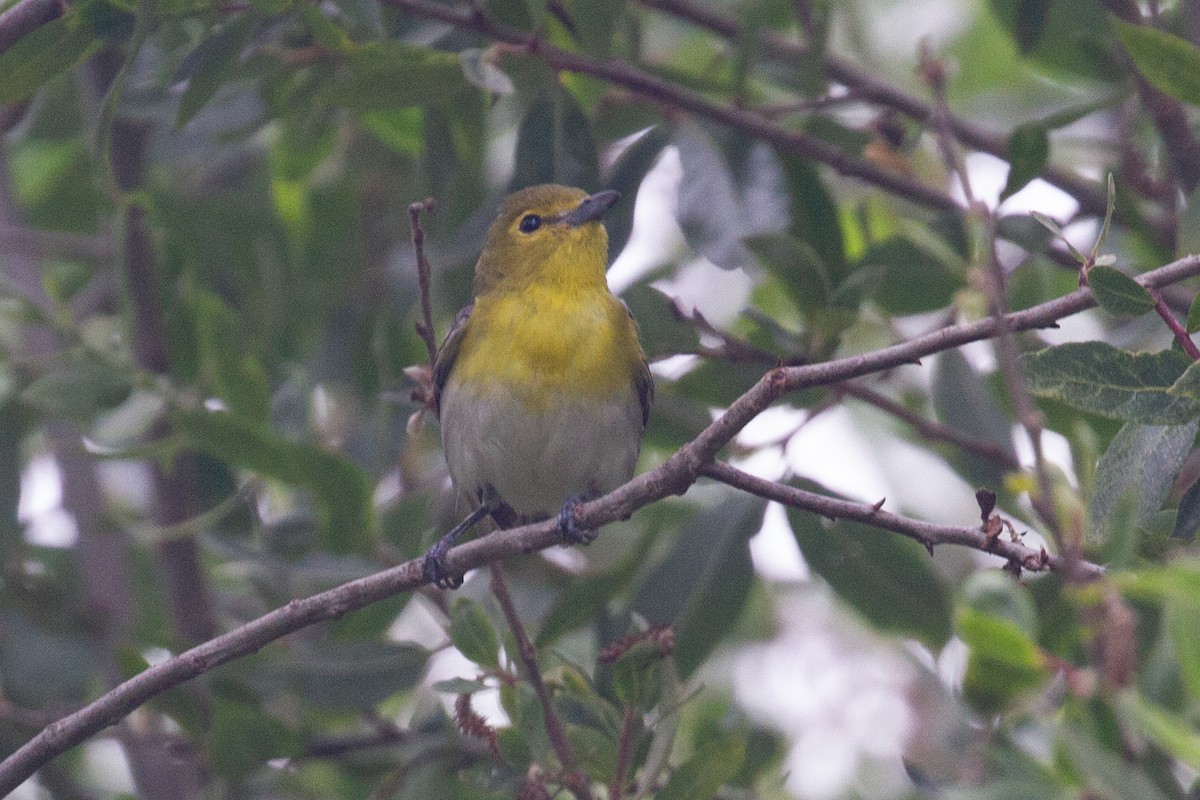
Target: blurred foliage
pixel 206 318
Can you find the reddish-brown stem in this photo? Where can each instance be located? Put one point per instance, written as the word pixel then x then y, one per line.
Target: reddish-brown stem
pixel 425 325
pixel 1181 334
pixel 574 780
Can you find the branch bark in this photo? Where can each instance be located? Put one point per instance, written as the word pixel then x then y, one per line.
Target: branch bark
pixel 927 533
pixel 22 18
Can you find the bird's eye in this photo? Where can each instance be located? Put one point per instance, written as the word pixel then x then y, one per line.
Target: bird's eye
pixel 530 223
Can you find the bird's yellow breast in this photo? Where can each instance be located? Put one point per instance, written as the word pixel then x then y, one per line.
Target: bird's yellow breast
pixel 542 342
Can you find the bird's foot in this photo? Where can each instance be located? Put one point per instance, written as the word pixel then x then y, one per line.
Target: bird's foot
pixel 569 529
pixel 434 568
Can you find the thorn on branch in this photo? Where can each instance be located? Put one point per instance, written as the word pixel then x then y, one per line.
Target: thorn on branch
pixel 987 503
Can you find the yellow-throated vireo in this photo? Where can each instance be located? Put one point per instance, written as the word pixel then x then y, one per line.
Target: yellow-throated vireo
pixel 541 385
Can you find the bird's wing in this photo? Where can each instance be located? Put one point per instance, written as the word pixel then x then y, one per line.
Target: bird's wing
pixel 448 352
pixel 643 381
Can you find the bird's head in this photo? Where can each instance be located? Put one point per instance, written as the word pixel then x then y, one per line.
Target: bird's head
pixel 546 233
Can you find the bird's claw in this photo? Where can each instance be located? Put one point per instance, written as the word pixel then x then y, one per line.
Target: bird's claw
pixel 434 570
pixel 569 529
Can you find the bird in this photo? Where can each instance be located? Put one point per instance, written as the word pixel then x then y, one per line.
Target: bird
pixel 541 385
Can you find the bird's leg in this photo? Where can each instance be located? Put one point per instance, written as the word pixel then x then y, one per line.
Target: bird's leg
pixel 434 565
pixel 570 530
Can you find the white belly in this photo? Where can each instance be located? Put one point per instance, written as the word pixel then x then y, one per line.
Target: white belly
pixel 537 459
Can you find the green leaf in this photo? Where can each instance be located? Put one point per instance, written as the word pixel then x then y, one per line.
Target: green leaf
pixel 44 668
pixel 1117 293
pixel 596 750
pixel 388 74
pixel 1170 63
pixel 1152 388
pixel 1028 150
pixel 211 64
pixel 1193 320
pixel 77 390
pixel 710 767
pixel 962 401
pixel 702 584
pixel 814 215
pixel 237 378
pixel 472 633
pixel 324 30
pixel 914 280
pixel 596 21
pixel 1142 459
pixel 796 266
pixel 1004 663
pixel 50 50
pixel 245 737
pixel 341 490
pixel 888 579
pixel 1173 734
pixel 1024 19
pixel 638 676
pixel 1103 770
pixel 459 686
pixel 1182 611
pixel 555 145
pixel 354 675
pixel 998 595
pixel 12 431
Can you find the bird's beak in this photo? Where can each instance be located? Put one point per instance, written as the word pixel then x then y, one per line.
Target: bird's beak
pixel 591 208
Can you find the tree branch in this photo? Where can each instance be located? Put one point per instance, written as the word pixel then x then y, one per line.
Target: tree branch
pixel 1090 194
pixel 674 476
pixel 23 17
pixel 927 533
pixel 425 325
pixel 931 429
pixel 575 780
pixel 619 73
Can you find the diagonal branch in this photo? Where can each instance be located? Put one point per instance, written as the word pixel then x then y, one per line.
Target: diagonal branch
pixel 674 476
pixel 619 73
pixel 927 533
pixel 1090 194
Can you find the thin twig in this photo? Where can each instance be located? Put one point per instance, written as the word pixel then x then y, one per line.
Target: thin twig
pixel 575 780
pixel 668 93
pixel 425 324
pixel 674 476
pixel 927 533
pixel 1007 353
pixel 931 429
pixel 1181 334
pixel 1168 114
pixel 1090 194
